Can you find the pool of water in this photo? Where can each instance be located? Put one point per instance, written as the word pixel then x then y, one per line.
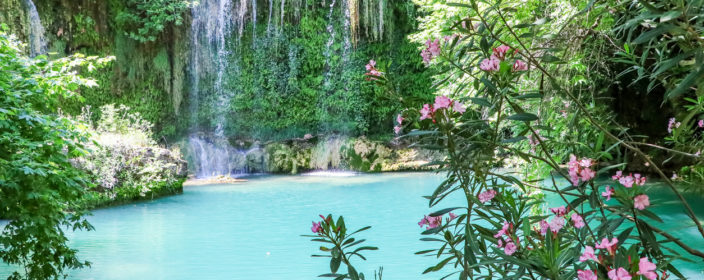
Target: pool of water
pixel 252 230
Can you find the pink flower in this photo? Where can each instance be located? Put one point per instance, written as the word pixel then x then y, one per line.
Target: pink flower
pixel 627 181
pixel 486 196
pixel 586 162
pixel 441 101
pixel 430 222
pixel 425 113
pixel 397 129
pixel 559 211
pixel 451 37
pixel 510 248
pixel 433 47
pixel 577 220
pixel 647 269
pixel 556 224
pixel 641 201
pixel 580 169
pixel 620 274
pixel 520 66
pixel 673 124
pixel 608 193
pixel 452 216
pixel 588 254
pixel 500 243
pixel 617 175
pixel 427 57
pixel 586 275
pixel 317 228
pixel 701 123
pixel 458 107
pixel 371 65
pixel 587 174
pixel 500 52
pixel 544 226
pixel 503 231
pixel 399 119
pixel 490 65
pixel 608 246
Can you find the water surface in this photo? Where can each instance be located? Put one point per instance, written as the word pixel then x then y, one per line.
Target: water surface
pixel 251 231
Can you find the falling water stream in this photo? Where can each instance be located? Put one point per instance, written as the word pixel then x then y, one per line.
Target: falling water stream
pixel 211 28
pixel 37 43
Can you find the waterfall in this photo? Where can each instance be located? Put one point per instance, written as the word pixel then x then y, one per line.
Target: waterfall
pixel 271 11
pixel 254 22
pixel 211 27
pixel 283 4
pixel 328 45
pixel 37 43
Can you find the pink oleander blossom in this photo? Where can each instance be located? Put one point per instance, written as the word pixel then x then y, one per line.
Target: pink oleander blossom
pixel 672 125
pixel 520 66
pixel 500 52
pixel 441 101
pixel 559 211
pixel 629 180
pixel 619 274
pixel 544 227
pixel 641 201
pixel 399 119
pixel 617 175
pixel 430 222
pixel 426 112
pixel 588 254
pixel 580 170
pixel 577 220
pixel 556 224
pixel 458 107
pixel 397 129
pixel 490 65
pixel 452 216
pixel 427 57
pixel 510 248
pixel 608 192
pixel 503 231
pixel 586 275
pixel 371 65
pixel 608 246
pixel 317 228
pixel 433 47
pixel 700 123
pixel 486 196
pixel 647 269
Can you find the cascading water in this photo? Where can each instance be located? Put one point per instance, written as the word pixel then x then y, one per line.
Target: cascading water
pixel 37 43
pixel 211 28
pixel 328 46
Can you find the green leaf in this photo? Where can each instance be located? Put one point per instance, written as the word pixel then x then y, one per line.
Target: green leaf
pixel 688 81
pixel 523 117
pixel 336 260
pixel 670 15
pixel 444 211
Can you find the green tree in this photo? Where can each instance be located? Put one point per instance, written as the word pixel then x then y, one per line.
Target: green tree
pixel 39 186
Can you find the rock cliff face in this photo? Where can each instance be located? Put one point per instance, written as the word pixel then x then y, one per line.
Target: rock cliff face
pixel 323 153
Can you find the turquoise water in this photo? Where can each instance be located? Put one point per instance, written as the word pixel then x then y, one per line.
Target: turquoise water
pixel 251 230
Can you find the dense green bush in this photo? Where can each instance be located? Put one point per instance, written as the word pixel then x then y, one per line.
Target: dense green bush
pixel 145 20
pixel 39 187
pixel 124 161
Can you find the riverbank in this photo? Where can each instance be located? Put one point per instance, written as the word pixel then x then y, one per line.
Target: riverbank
pixel 310 153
